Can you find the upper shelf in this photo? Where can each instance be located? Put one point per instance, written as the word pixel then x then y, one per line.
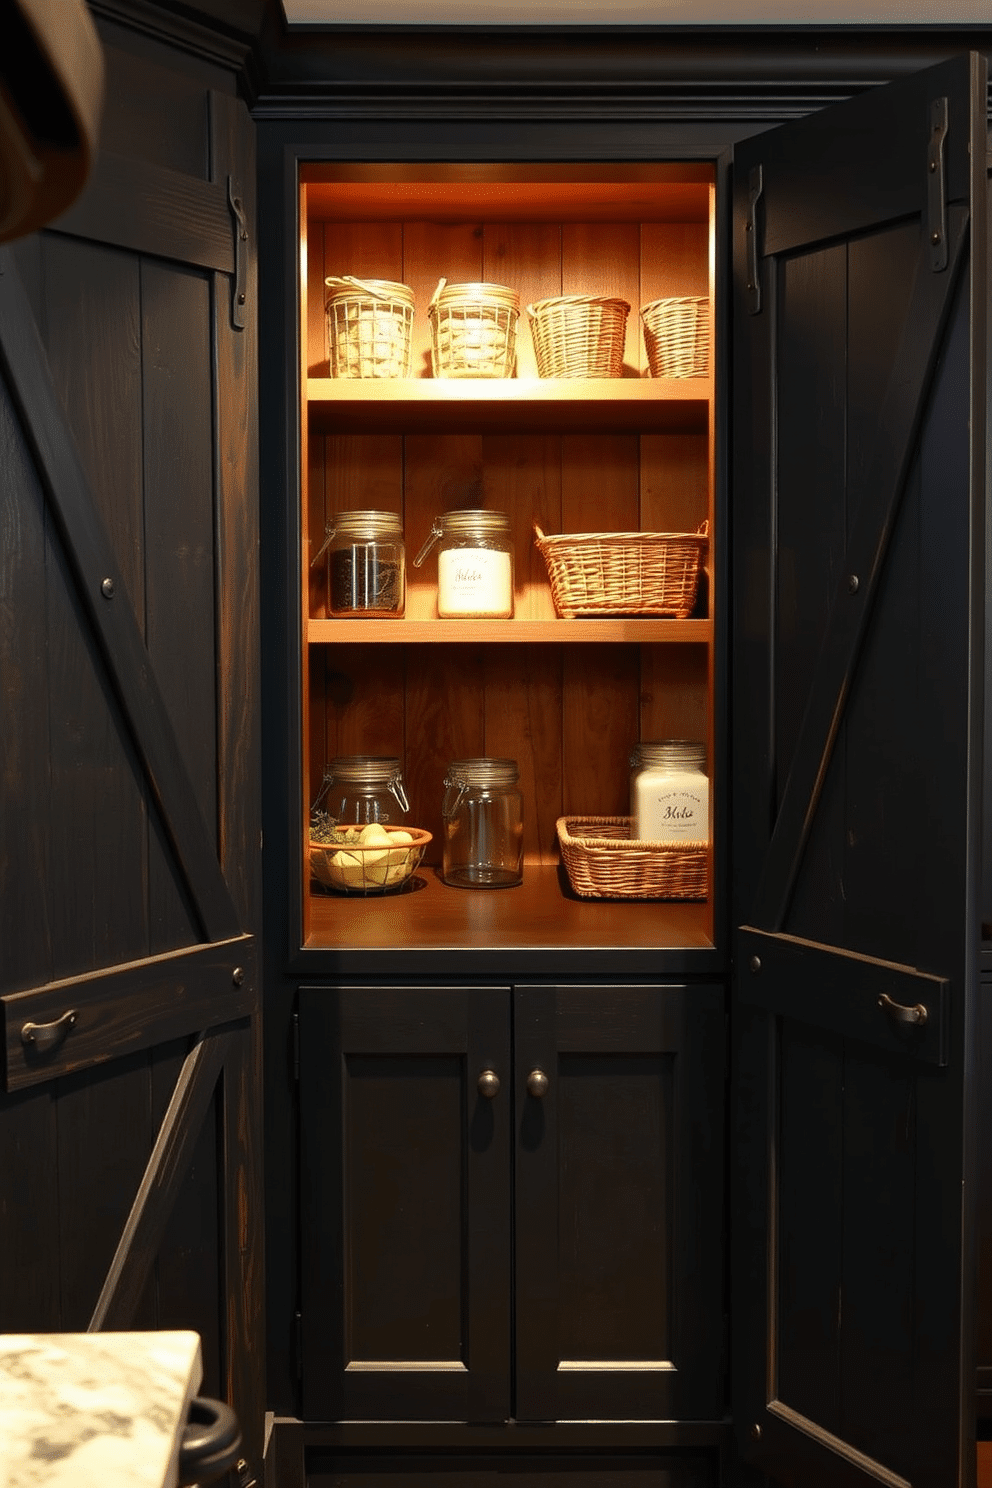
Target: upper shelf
pixel 425 405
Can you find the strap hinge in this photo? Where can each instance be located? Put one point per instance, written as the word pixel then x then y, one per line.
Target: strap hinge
pixel 755 187
pixel 936 186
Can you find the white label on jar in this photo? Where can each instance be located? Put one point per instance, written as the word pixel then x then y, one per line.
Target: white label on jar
pixel 474 581
pixel 671 810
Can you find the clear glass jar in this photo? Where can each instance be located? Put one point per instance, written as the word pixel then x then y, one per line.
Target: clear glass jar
pixel 669 791
pixel 474 564
pixel 361 788
pixel 366 564
pixel 483 812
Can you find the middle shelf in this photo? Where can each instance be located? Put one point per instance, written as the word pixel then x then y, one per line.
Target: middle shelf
pixel 419 629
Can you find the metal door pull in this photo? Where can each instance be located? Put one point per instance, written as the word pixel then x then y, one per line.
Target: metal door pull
pixel 537 1084
pixel 47 1036
pixel 899 1013
pixel 488 1084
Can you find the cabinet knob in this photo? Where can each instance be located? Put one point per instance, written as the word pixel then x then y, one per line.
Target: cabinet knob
pixel 537 1084
pixel 489 1084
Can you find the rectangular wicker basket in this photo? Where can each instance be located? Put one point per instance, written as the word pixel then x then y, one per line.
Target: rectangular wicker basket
pixel 603 861
pixel 624 573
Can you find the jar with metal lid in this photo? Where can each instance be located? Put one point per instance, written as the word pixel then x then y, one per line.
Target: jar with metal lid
pixel 366 564
pixel 361 788
pixel 474 564
pixel 669 791
pixel 483 824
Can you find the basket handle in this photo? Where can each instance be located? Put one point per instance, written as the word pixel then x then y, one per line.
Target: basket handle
pixel 362 284
pixel 538 534
pixel 434 297
pixel 703 530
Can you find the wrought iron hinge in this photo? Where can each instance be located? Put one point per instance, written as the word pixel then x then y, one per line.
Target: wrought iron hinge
pixel 755 187
pixel 239 288
pixel 296 1046
pixel 936 186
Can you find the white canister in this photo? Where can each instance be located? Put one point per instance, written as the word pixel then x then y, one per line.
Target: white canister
pixel 669 791
pixel 474 565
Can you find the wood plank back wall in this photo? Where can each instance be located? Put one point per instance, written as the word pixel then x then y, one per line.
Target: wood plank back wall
pixel 568 714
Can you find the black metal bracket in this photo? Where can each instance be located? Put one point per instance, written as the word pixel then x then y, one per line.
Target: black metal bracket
pixel 755 187
pixel 936 186
pixel 239 294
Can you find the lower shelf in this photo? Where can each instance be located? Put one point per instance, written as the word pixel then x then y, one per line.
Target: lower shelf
pixel 541 913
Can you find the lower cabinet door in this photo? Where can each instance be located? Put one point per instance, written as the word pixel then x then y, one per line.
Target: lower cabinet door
pixel 511 1203
pixel 619 1306
pixel 405 1203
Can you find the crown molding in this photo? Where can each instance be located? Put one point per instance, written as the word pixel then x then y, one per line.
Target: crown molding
pixel 224 34
pixel 664 74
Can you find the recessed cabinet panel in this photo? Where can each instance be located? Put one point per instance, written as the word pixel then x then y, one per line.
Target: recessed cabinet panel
pixel 566 698
pixel 399 1112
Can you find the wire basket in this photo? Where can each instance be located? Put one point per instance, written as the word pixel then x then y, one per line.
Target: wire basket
pixel 369 326
pixel 473 330
pixel 603 861
pixel 677 336
pixel 579 335
pixel 624 573
pixel 350 868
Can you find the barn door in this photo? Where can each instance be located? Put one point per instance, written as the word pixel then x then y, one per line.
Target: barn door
pixel 859 387
pixel 129 815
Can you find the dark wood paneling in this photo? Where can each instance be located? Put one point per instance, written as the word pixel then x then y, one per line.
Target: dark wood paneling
pixel 30 1284
pixel 127 435
pixel 108 611
pixel 98 1177
pixel 25 838
pixel 176 378
pixel 185 1286
pixel 155 1197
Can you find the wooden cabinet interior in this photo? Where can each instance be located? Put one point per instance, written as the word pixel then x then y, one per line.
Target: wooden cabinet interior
pixel 566 698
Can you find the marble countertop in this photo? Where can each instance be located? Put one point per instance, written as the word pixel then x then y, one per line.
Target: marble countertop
pixel 94 1410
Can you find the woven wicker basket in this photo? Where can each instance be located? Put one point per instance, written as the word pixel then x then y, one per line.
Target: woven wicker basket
pixel 623 573
pixel 473 330
pixel 603 861
pixel 369 325
pixel 579 335
pixel 677 336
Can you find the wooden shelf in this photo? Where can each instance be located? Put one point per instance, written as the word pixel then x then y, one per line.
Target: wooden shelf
pixel 583 405
pixel 508 632
pixel 540 912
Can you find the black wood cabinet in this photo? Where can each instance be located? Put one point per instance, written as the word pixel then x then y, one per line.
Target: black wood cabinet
pixel 853 250
pixel 512 1202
